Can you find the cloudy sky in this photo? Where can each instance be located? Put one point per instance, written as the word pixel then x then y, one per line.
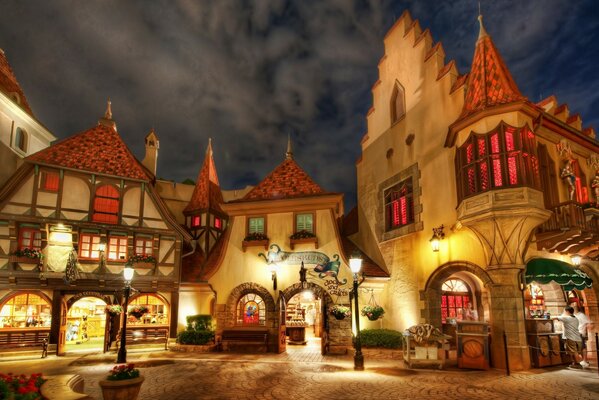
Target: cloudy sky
pixel 248 73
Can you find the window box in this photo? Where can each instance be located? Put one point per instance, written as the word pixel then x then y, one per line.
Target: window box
pixel 294 242
pixel 24 259
pixel 249 243
pixel 144 264
pixel 142 261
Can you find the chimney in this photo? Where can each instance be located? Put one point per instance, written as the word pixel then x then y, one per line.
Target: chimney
pixel 150 161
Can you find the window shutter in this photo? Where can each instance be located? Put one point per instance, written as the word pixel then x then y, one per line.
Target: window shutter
pixel 304 223
pixel 256 225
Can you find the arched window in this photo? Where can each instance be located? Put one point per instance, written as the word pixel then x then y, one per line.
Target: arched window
pixel 399 205
pixel 251 310
pixel 26 310
pixel 106 205
pixel 454 299
pixel 157 310
pixel 21 139
pixel 503 157
pixel 398 106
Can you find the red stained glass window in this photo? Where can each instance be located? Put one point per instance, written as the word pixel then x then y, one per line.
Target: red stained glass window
pixel 471 180
pixel 495 143
pixel 30 238
pixel 469 153
pixel 482 147
pixel 217 223
pixel 195 220
pixel 399 207
pixel 497 178
pixel 512 170
pixel 251 310
pixel 509 139
pixel 106 205
pixel 455 298
pixel 484 175
pixel 50 181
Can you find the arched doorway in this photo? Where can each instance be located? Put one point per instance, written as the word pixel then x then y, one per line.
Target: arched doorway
pixel 86 324
pixel 306 311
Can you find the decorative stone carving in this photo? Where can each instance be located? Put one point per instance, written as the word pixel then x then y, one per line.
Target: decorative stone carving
pixel 564 149
pixel 569 176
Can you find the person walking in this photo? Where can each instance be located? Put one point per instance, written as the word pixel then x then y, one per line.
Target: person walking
pixel 584 325
pixel 571 334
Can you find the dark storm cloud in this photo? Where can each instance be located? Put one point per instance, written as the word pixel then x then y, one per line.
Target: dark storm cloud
pixel 248 73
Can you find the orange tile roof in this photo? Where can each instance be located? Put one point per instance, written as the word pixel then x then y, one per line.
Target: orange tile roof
pixel 207 193
pixel 9 84
pixel 98 150
pixel 287 180
pixel 490 82
pixel 369 267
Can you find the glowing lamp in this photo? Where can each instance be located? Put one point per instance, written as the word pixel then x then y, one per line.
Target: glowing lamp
pixel 438 235
pixel 576 259
pixel 128 273
pixel 355 262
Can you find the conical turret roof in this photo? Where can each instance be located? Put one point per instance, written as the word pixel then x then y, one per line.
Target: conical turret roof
pixel 207 193
pixel 10 85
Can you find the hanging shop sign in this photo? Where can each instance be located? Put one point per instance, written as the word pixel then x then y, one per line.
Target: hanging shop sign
pixel 323 265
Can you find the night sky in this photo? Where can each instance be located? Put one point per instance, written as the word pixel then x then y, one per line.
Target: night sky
pixel 248 73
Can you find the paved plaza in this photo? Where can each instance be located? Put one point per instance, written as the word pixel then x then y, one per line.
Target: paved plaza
pixel 298 375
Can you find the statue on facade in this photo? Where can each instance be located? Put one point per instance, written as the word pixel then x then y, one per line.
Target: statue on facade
pixel 568 174
pixel 595 186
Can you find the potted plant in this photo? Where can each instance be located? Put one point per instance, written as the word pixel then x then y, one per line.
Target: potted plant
pixel 114 309
pixel 21 387
pixel 339 311
pixel 142 260
pixel 137 310
pixel 303 236
pixel 373 312
pixel 255 239
pixel 123 382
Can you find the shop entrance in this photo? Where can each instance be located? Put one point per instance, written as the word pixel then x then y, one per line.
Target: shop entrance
pixel 304 323
pixel 86 324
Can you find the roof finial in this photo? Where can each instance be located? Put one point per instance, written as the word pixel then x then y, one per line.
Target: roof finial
pixel 289 154
pixel 209 148
pixel 108 113
pixel 482 33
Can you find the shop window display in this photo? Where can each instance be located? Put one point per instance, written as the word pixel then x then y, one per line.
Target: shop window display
pixel 251 310
pixel 86 321
pixel 26 310
pixel 157 311
pixel 454 300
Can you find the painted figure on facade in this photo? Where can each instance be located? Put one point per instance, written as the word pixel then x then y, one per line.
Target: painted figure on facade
pixel 568 174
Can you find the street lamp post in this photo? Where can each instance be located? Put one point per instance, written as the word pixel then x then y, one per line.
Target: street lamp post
pixel 355 264
pixel 128 276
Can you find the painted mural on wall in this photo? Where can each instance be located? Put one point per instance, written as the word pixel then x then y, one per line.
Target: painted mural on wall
pixel 323 265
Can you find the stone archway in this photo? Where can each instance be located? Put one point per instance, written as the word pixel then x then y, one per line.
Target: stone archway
pixel 240 291
pixel 319 291
pixel 432 290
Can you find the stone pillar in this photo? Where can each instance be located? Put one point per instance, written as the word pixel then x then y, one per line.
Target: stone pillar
pixel 340 335
pixel 507 315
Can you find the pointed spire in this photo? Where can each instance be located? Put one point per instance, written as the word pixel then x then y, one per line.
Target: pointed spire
pixel 482 32
pixel 207 193
pixel 489 82
pixel 107 119
pixel 10 86
pixel 289 153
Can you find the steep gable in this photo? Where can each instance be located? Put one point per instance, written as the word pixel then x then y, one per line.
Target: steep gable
pixel 10 86
pixel 97 150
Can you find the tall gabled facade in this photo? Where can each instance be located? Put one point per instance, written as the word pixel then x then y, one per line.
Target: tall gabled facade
pixel 21 134
pixel 495 173
pixel 71 218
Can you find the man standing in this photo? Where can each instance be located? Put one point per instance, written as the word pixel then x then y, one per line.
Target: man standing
pixel 584 324
pixel 571 334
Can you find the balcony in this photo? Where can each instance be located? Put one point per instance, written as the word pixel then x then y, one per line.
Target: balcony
pixel 571 228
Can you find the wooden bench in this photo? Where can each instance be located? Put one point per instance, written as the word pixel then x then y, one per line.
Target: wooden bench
pixel 245 336
pixel 17 339
pixel 140 335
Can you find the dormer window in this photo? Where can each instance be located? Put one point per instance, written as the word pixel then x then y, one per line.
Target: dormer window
pixel 20 142
pixel 504 157
pixel 218 223
pixel 195 221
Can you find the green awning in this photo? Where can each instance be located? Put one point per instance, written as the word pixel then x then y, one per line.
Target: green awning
pixel 545 270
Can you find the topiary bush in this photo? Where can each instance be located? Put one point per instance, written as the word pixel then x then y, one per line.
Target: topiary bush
pixel 386 338
pixel 199 330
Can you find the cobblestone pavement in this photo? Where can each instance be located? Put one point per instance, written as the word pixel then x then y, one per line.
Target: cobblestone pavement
pixel 234 376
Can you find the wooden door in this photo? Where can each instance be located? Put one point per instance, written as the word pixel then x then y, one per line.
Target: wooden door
pixel 61 348
pixel 282 343
pixel 324 338
pixel 107 330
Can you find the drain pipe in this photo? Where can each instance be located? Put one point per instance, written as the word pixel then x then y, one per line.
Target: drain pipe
pixel 194 244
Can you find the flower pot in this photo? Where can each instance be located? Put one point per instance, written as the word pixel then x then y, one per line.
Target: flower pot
pixel 136 314
pixel 126 389
pixel 339 316
pixel 373 317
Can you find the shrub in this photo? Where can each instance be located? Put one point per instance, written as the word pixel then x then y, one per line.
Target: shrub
pixel 199 322
pixel 199 330
pixel 386 338
pixel 195 337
